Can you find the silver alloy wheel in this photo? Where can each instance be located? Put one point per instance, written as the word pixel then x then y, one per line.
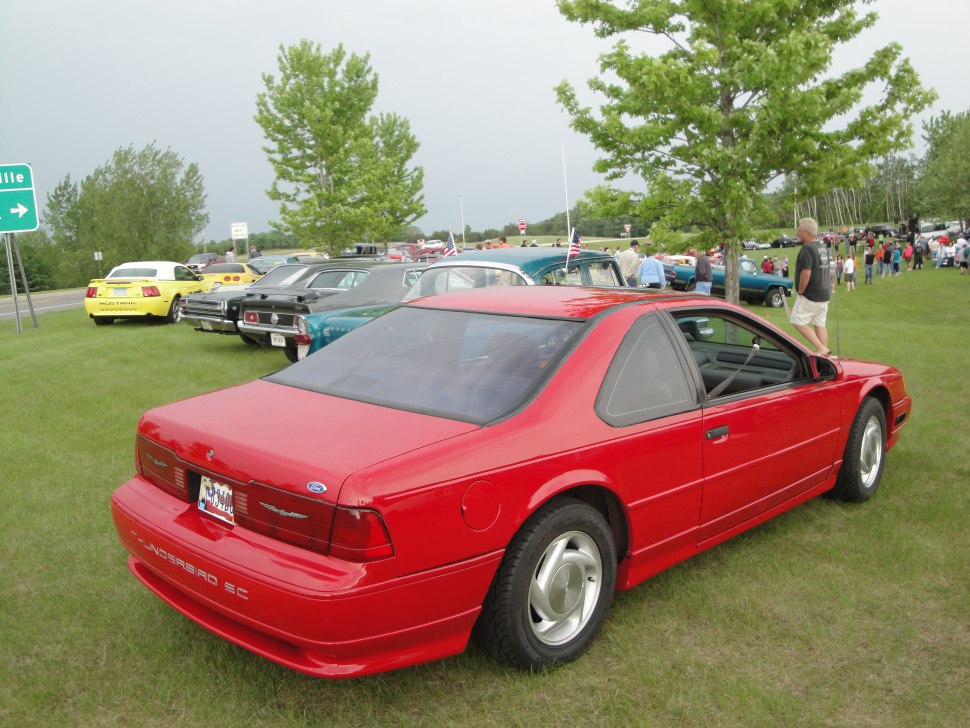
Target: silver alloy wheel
pixel 565 588
pixel 870 453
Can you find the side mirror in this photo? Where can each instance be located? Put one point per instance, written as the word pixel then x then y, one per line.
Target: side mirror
pixel 826 369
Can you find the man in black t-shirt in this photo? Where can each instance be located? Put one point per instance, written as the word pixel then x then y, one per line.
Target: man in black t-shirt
pixel 813 286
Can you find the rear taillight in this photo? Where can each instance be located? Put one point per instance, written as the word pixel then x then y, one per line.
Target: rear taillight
pixel 302 331
pixel 236 278
pixel 92 292
pixel 227 278
pixel 359 535
pixel 150 291
pixel 251 317
pixel 352 534
pixel 160 467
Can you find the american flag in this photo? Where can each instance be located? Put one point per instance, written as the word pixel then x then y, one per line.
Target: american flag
pixel 450 248
pixel 573 245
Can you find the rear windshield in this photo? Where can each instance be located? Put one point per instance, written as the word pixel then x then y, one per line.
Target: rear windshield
pixel 282 275
pixel 225 268
pixel 461 278
pixel 134 273
pixel 472 367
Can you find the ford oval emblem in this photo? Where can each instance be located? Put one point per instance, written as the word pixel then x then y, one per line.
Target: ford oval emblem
pixel 316 487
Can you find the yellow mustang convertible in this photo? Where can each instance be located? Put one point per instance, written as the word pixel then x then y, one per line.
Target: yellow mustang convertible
pixel 145 289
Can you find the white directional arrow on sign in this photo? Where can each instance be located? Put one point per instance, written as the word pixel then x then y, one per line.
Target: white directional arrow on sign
pixel 19 209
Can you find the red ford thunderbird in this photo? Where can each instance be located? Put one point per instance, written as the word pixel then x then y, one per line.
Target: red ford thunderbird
pixel 497 461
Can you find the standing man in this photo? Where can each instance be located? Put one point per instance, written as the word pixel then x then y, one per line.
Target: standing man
pixel 629 261
pixel 651 273
pixel 703 275
pixel 813 287
pixel 230 256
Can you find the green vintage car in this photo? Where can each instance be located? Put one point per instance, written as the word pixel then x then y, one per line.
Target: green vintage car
pixel 473 269
pixel 753 285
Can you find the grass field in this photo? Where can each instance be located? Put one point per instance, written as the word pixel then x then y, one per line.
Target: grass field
pixel 830 615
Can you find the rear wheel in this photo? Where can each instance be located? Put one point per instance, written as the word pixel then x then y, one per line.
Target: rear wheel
pixel 102 320
pixel 248 340
pixel 864 454
pixel 291 354
pixel 553 588
pixel 174 312
pixel 691 286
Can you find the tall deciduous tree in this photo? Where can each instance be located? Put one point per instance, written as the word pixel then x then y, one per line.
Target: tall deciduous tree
pixel 143 204
pixel 741 96
pixel 945 184
pixel 342 174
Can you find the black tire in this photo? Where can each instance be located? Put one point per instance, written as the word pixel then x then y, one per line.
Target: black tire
pixel 553 588
pixel 174 312
pixel 249 340
pixel 691 286
pixel 291 354
pixel 102 320
pixel 775 297
pixel 865 452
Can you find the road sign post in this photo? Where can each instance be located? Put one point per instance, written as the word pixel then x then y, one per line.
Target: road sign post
pixel 18 214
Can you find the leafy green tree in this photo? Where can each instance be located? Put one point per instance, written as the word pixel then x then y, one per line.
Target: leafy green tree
pixel 34 254
pixel 742 96
pixel 342 175
pixel 945 183
pixel 141 205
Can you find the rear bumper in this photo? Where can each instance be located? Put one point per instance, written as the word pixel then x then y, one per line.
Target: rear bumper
pixel 210 323
pixel 134 307
pixel 306 611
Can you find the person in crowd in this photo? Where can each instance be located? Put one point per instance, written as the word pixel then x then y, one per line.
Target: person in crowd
pixel 651 273
pixel 812 283
pixel 868 260
pixel 703 274
pixel 964 258
pixel 838 270
pixel 848 271
pixel 766 265
pixel 918 248
pixel 629 261
pixel 880 264
pixel 253 252
pixel 230 256
pixel 784 267
pixel 897 257
pixel 908 255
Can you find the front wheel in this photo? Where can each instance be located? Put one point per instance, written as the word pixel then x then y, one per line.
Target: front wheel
pixel 553 588
pixel 775 297
pixel 864 455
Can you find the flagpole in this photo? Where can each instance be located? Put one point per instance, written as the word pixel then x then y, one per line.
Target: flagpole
pixel 461 205
pixel 565 188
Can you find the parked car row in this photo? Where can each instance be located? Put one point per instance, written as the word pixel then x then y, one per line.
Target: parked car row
pixel 754 286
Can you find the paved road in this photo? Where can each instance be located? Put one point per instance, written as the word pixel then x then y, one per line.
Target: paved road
pixel 43 302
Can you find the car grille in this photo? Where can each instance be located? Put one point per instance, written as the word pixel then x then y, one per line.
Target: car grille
pixel 206 308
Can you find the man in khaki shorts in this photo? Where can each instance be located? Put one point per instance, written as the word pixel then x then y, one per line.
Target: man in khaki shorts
pixel 813 287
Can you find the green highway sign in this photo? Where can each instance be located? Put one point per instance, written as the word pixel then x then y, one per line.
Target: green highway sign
pixel 18 204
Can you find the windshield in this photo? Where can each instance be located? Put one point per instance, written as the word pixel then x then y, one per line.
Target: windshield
pixel 472 367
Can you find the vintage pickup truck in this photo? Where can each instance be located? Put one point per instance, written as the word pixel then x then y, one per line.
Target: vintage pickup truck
pixel 754 286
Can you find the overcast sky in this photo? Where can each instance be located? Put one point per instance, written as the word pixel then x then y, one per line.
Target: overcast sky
pixel 81 78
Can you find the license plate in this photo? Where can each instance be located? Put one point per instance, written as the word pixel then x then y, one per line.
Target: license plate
pixel 277 339
pixel 120 292
pixel 215 498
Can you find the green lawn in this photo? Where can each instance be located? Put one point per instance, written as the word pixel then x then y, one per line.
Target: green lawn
pixel 830 615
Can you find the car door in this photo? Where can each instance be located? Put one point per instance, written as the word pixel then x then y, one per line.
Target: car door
pixel 186 281
pixel 770 434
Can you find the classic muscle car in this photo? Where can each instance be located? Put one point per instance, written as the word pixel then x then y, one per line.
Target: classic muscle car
pixel 497 461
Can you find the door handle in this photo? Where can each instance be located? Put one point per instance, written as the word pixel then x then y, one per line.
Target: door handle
pixel 716 432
